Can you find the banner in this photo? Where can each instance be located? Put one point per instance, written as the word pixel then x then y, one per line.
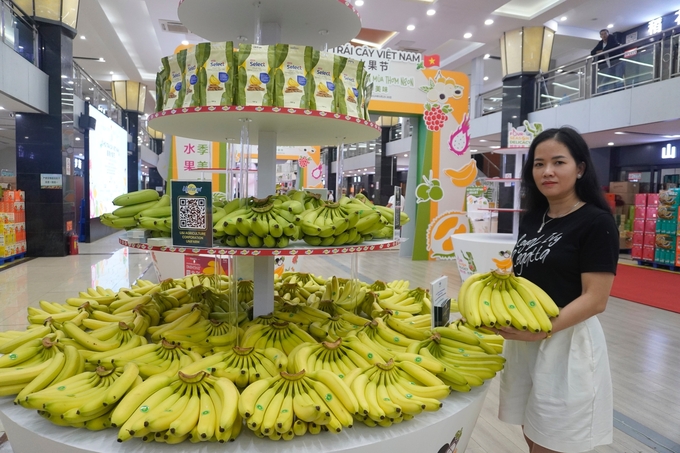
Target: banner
pixel 191 214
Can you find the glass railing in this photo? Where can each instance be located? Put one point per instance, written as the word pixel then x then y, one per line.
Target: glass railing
pixel 89 90
pixel 489 102
pixel 18 31
pixel 645 61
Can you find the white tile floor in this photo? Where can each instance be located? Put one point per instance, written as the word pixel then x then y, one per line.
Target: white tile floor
pixel 644 343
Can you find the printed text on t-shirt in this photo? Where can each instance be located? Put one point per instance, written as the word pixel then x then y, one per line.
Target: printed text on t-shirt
pixel 534 250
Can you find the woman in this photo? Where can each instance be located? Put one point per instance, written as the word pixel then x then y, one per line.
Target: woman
pixel 557 385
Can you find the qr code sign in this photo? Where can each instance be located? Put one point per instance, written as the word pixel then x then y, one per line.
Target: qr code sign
pixel 192 213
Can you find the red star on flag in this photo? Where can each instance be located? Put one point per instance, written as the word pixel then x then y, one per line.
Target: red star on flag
pixel 431 60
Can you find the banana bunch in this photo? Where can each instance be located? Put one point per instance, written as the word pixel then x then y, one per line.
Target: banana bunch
pixel 122 338
pixel 284 336
pixel 415 327
pixel 309 200
pixel 267 222
pixel 468 360
pixel 87 397
pixel 13 339
pixel 151 359
pixel 190 404
pixel 503 299
pixel 387 232
pixel 487 336
pixel 341 357
pixel 348 296
pixel 28 361
pixel 398 390
pixel 40 316
pixel 183 320
pixel 204 335
pixel 385 338
pixel 332 328
pixel 338 224
pixel 289 405
pixel 300 314
pixel 410 302
pixel 243 366
pixel 158 218
pixel 132 204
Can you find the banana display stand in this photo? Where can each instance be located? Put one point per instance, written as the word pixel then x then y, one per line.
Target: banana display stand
pixel 324 24
pixel 428 432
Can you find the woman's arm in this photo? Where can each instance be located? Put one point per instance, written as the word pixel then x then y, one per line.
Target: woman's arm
pixel 592 301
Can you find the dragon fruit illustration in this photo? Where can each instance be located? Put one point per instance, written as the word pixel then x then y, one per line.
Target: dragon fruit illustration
pixel 317 172
pixel 303 162
pixel 460 139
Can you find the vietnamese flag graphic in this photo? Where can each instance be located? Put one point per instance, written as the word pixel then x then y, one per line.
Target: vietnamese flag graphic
pixel 431 60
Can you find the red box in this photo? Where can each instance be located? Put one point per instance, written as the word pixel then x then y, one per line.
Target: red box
pixel 651 212
pixel 640 212
pixel 650 225
pixel 652 199
pixel 636 252
pixel 639 225
pixel 649 239
pixel 638 238
pixel 648 253
pixel 641 199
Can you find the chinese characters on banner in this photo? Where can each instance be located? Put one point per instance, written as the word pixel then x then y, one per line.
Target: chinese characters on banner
pixel 191 155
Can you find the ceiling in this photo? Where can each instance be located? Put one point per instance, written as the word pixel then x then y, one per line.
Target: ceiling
pixel 128 34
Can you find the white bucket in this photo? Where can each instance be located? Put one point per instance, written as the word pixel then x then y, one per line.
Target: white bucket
pixel 482 252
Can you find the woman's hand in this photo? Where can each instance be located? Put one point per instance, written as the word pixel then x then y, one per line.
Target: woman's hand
pixel 510 333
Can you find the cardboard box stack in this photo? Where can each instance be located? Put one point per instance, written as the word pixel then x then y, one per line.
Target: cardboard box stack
pixel 12 223
pixel 622 199
pixel 667 227
pixel 644 226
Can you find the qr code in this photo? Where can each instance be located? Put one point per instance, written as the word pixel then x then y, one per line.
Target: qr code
pixel 192 213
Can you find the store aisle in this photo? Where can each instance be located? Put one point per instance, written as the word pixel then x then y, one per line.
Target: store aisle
pixel 644 342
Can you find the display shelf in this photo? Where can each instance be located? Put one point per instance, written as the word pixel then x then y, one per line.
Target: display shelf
pixel 292 126
pixel 429 431
pixel 299 248
pixel 317 23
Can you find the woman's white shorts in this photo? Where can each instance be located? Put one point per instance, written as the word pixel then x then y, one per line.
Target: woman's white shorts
pixel 560 389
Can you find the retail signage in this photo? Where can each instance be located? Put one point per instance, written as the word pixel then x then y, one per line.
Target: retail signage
pixel 634 177
pixel 50 181
pixel 441 303
pixel 522 136
pixel 191 214
pixel 668 152
pixel 206 265
pixel 190 157
pixel 311 168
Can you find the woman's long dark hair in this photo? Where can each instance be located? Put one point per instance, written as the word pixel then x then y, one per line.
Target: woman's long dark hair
pixel 587 187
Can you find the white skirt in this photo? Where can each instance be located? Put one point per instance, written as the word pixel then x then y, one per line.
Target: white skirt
pixel 560 389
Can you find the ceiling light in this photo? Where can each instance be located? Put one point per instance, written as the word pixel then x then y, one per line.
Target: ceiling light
pixel 487 56
pixel 111 72
pixel 101 60
pixel 82 37
pixel 406 155
pixel 77 139
pixel 2 108
pixel 494 147
pixel 87 98
pixel 482 141
pixel 560 70
pixel 64 76
pixel 619 133
pixel 467 35
pixel 364 169
pixel 359 3
pixel 488 22
pixel 431 12
pixel 610 144
pixel 411 27
pixel 185 42
pixel 486 78
pixel 563 18
pixel 610 26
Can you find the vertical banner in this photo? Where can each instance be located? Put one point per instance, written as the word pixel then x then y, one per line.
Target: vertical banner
pixel 192 214
pixel 312 168
pixel 191 155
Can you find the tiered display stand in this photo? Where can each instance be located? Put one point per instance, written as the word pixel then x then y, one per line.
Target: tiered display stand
pixel 322 24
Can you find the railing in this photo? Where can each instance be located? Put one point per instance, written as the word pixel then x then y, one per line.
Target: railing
pixel 644 61
pixel 89 90
pixel 19 32
pixel 489 102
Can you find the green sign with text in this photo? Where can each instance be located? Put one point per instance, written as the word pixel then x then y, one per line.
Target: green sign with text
pixel 192 214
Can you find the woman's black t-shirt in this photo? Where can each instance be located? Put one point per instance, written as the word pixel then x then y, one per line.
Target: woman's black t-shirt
pixel 586 240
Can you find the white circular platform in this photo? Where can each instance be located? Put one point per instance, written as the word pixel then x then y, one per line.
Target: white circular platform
pixel 292 126
pixel 314 23
pixel 427 432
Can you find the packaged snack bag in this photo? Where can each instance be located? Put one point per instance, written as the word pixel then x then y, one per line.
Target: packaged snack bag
pixel 219 69
pixel 320 85
pixel 176 91
pixel 367 93
pixel 291 76
pixel 347 73
pixel 194 76
pixel 161 78
pixel 255 81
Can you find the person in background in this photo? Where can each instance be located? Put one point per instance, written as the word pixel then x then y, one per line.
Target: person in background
pixel 610 71
pixel 330 196
pixel 557 385
pixel 390 202
pixel 363 192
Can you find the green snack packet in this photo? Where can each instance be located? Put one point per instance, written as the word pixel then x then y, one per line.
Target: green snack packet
pixel 219 73
pixel 177 90
pixel 255 70
pixel 291 76
pixel 162 87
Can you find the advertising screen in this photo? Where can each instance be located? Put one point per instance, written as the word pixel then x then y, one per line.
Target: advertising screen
pixel 108 163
